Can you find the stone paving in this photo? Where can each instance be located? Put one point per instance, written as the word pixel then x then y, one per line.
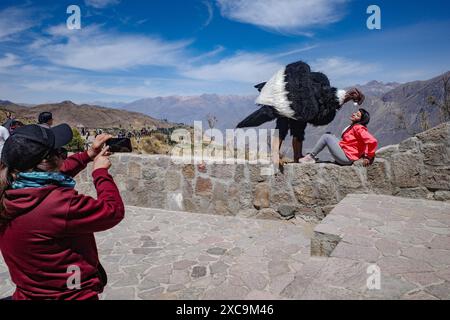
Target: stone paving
pixel 408 239
pixel 155 254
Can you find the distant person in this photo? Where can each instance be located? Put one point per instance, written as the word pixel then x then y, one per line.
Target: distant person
pixel 356 143
pixel 4 134
pixel 15 125
pixel 45 120
pixel 46 227
pixel 9 120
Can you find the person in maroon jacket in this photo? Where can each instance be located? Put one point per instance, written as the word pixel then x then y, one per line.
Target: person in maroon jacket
pixel 46 227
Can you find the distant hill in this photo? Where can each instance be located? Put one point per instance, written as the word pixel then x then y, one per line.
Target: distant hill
pixel 376 88
pixel 87 115
pixel 10 106
pixel 227 108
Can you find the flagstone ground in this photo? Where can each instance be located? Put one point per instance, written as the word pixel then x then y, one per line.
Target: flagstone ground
pixel 157 254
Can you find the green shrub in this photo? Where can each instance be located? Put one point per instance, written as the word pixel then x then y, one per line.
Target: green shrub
pixel 77 143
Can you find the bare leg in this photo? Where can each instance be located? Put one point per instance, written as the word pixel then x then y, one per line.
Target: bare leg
pixel 297 145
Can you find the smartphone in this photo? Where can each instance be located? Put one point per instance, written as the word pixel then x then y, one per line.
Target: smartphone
pixel 120 145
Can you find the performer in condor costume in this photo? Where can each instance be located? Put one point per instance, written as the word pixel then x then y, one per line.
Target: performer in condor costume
pixel 295 96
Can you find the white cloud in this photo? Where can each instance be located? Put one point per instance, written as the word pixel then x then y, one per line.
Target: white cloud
pixel 92 48
pixel 210 9
pixel 14 20
pixel 9 60
pixel 283 15
pixel 99 4
pixel 242 67
pixel 343 71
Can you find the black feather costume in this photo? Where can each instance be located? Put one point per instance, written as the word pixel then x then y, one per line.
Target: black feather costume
pixel 297 93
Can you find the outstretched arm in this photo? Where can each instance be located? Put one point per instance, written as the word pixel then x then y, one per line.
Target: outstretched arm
pixel 78 162
pixel 352 94
pixel 370 142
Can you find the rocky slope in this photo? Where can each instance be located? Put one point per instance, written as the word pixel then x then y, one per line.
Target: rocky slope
pixel 86 115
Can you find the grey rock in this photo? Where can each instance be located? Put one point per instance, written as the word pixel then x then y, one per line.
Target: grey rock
pixel 217 251
pixel 287 211
pixel 198 272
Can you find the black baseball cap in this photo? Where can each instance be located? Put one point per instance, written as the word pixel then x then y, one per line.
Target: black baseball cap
pixel 29 145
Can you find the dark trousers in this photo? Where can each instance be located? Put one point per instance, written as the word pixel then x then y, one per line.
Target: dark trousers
pixel 296 127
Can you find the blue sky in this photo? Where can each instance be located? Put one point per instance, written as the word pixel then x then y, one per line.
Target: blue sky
pixel 130 49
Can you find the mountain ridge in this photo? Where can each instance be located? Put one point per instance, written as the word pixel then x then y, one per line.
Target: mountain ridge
pixel 89 116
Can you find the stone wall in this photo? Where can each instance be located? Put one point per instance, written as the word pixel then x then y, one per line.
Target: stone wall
pixel 418 167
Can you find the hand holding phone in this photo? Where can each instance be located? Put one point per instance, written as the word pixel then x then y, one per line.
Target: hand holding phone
pixel 119 145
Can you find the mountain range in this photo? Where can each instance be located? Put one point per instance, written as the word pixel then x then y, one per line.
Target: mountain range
pixel 398 111
pixel 395 109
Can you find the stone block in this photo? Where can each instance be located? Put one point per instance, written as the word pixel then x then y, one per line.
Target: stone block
pixel 435 154
pixel 439 134
pixel 323 244
pixel 134 170
pixel 442 195
pixel 262 196
pixel 221 207
pixel 255 174
pixel 267 214
pixel 189 171
pixel 348 179
pixel 436 178
pixel 175 201
pixel 245 196
pixel 410 144
pixel 220 191
pixel 407 169
pixel 150 173
pixel 189 205
pixel 387 152
pixel 222 171
pixel 203 186
pixel 287 211
pixel 173 180
pixel 414 193
pixel 239 174
pixel 283 198
pixel 378 176
pixel 305 194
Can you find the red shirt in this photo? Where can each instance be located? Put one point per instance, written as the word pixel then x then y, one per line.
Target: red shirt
pixel 357 142
pixel 53 229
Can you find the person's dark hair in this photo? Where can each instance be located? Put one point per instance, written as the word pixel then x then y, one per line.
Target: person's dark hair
pixel 365 117
pixel 45 117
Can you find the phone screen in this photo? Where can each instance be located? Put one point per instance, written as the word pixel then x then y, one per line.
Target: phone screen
pixel 120 145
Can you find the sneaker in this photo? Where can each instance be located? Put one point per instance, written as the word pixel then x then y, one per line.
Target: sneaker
pixel 307 159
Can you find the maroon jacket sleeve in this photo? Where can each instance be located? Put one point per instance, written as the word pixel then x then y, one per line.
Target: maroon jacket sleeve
pixel 75 164
pixel 88 215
